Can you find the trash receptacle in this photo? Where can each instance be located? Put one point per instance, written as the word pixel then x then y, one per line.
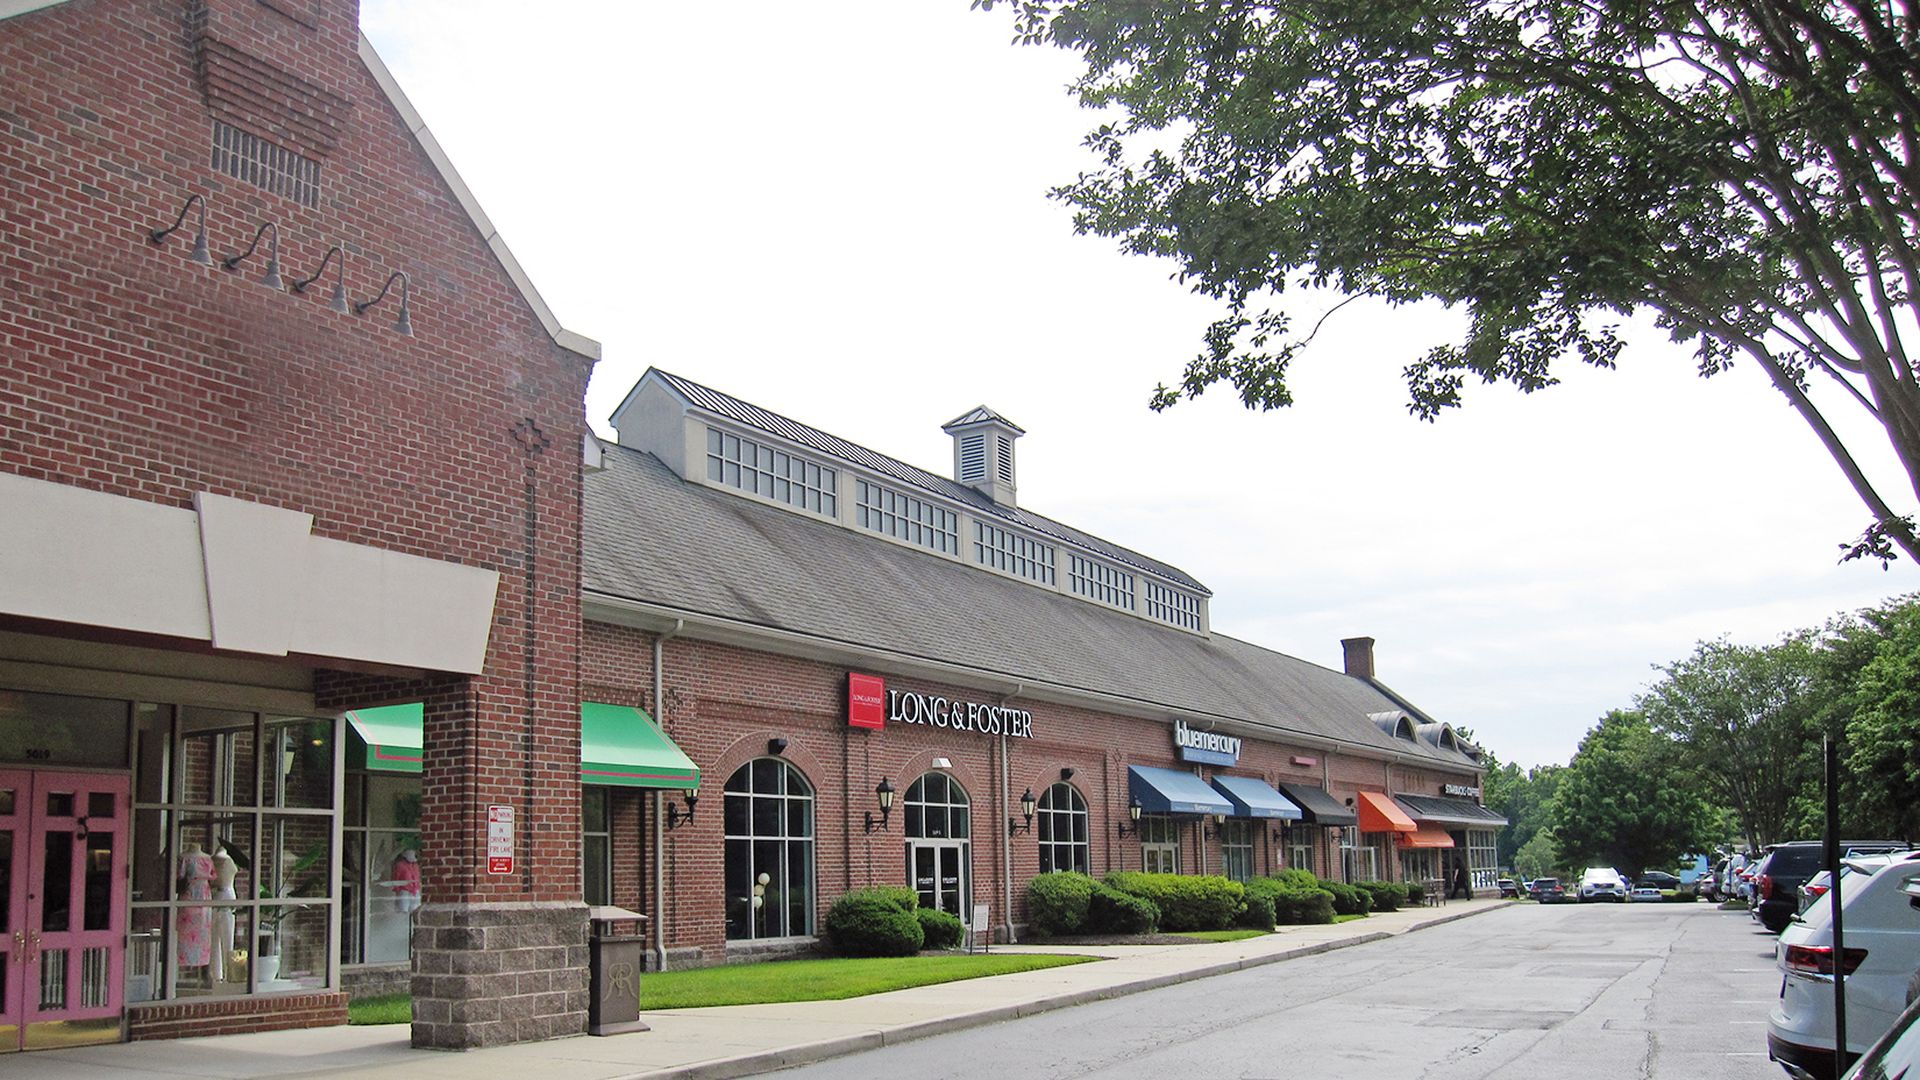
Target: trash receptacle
pixel 613 972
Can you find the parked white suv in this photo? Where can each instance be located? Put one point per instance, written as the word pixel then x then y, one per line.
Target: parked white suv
pixel 1882 951
pixel 1603 883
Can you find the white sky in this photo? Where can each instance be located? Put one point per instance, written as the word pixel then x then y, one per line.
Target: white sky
pixel 837 211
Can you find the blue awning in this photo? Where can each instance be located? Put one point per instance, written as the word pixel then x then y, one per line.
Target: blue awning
pixel 1253 797
pixel 1170 791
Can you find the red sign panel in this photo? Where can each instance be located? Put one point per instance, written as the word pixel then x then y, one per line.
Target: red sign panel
pixel 499 839
pixel 866 701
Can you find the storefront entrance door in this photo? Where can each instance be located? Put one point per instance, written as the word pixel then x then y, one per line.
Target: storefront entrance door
pixel 63 908
pixel 939 874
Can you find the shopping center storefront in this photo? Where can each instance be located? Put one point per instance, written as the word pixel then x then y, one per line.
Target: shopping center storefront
pixel 898 678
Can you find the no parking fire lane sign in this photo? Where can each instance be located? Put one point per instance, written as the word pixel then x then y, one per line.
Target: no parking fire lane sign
pixel 499 839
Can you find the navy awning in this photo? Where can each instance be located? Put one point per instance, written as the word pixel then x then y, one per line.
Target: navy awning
pixel 1320 807
pixel 1170 791
pixel 1253 797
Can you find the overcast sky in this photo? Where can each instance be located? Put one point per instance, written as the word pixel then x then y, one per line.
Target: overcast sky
pixel 838 212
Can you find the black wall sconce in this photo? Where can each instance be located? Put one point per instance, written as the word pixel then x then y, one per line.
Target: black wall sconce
pixel 403 324
pixel 884 792
pixel 339 301
pixel 1219 823
pixel 271 278
pixel 200 255
pixel 1027 803
pixel 675 818
pixel 1133 814
pixel 776 747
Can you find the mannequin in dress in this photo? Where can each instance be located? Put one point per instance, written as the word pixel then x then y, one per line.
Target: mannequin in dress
pixel 224 871
pixel 406 880
pixel 193 926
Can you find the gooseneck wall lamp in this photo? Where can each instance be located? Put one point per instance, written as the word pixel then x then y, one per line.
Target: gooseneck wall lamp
pixel 403 324
pixel 883 793
pixel 675 818
pixel 339 301
pixel 200 255
pixel 271 278
pixel 1133 815
pixel 1027 803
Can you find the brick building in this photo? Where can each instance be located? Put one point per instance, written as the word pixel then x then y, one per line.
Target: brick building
pixel 813 622
pixel 284 431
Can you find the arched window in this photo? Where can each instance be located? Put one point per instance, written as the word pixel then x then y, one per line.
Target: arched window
pixel 939 854
pixel 1060 822
pixel 769 828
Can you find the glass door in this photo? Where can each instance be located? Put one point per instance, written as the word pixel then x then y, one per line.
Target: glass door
pixel 938 872
pixel 63 903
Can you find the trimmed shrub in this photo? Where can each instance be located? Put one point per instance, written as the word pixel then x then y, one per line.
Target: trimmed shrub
pixel 1113 912
pixel 898 895
pixel 864 924
pixel 1185 902
pixel 1299 879
pixel 1347 900
pixel 1302 905
pixel 1416 894
pixel 1057 902
pixel 939 929
pixel 1385 895
pixel 1259 913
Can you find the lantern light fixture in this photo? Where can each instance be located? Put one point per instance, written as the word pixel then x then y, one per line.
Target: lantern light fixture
pixel 1133 814
pixel 1027 804
pixel 675 818
pixel 884 794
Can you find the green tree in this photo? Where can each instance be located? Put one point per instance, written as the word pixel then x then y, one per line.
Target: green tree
pixel 1744 721
pixel 1538 857
pixel 1623 802
pixel 1881 750
pixel 1746 173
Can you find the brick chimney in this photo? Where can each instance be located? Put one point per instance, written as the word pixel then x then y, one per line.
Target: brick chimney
pixel 1359 652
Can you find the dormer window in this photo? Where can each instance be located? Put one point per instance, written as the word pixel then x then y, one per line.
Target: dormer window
pixel 770 473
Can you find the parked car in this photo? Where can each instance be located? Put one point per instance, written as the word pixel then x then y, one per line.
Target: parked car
pixel 1602 883
pixel 1508 889
pixel 1658 879
pixel 1815 888
pixel 1788 866
pixel 1882 951
pixel 1644 894
pixel 1549 891
pixel 1896 1055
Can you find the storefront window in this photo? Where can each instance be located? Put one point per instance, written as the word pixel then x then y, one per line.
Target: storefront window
pixel 1159 845
pixel 1359 854
pixel 1236 849
pixel 233 836
pixel 1483 858
pixel 380 868
pixel 1300 848
pixel 1061 822
pixel 769 859
pixel 596 845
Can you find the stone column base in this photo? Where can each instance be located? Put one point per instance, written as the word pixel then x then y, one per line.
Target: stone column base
pixel 488 974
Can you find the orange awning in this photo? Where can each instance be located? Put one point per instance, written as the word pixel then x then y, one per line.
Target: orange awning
pixel 1379 813
pixel 1425 838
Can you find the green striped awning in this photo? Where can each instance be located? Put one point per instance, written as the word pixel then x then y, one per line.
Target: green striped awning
pixel 619 746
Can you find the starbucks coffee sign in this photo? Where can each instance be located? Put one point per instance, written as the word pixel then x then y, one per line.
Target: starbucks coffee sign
pixel 1460 789
pixel 1205 747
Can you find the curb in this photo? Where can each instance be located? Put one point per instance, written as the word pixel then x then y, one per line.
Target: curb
pixel 808 1053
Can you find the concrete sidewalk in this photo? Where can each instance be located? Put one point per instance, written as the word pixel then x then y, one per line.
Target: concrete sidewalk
pixel 737 1040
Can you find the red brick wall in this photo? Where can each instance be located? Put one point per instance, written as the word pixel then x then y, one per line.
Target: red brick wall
pixel 131 370
pixel 724 703
pixel 234 1016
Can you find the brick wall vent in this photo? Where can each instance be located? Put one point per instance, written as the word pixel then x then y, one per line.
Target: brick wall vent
pixel 246 156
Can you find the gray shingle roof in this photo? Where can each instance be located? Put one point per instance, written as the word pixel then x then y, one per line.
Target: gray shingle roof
pixel 751 415
pixel 1445 811
pixel 654 538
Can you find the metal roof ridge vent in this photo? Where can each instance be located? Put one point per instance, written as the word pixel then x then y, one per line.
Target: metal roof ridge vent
pixel 983 453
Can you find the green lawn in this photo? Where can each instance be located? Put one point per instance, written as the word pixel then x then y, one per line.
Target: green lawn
pixel 780 980
pixel 1220 935
pixel 1347 918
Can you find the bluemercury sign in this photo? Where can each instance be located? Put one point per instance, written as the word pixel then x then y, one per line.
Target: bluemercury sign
pixel 865 692
pixel 1205 747
pixel 1460 789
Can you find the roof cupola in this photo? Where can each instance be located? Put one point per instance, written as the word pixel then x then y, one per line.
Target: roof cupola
pixel 983 453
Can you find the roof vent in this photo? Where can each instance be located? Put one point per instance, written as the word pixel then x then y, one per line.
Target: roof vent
pixel 983 453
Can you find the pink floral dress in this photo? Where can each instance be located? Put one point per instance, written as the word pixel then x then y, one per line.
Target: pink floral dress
pixel 193 926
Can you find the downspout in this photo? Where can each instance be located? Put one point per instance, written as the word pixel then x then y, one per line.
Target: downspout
pixel 1006 842
pixel 659 804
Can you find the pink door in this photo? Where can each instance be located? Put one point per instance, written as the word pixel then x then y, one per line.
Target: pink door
pixel 63 908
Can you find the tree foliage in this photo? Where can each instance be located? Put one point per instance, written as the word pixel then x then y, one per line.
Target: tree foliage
pixel 1881 706
pixel 1742 719
pixel 1743 170
pixel 1624 802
